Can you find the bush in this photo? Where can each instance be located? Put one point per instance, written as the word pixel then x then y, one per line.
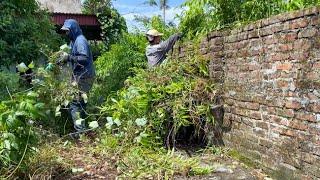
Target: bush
pixel 115 66
pixel 17 116
pixel 8 82
pixel 203 16
pixel 25 32
pixel 157 102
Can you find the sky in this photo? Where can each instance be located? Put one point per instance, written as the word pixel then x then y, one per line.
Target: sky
pixel 129 8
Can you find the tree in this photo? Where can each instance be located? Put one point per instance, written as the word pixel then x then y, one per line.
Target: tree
pixel 25 32
pixel 95 6
pixel 112 24
pixel 162 4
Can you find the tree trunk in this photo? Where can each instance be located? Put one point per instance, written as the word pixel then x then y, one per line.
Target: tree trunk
pixel 164 15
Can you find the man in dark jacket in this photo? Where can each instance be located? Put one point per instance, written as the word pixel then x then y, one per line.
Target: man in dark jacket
pixel 156 50
pixel 80 58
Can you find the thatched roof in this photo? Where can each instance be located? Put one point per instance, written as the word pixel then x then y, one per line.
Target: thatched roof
pixel 62 6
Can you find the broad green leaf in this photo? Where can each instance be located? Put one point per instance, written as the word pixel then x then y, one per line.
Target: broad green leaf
pixel 65 48
pixel 66 103
pixel 141 121
pixel 31 65
pixel 32 94
pixel 39 105
pixel 7 144
pixel 79 122
pixel 84 97
pixel 93 124
pixel 57 112
pixel 77 170
pixel 117 122
pixel 109 123
pixel 20 113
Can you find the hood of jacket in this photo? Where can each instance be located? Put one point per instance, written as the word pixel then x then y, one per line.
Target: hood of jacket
pixel 73 27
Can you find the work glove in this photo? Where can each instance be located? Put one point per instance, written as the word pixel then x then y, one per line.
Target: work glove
pixel 63 58
pixel 22 68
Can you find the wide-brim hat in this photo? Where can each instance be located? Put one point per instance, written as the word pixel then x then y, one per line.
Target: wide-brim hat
pixel 154 32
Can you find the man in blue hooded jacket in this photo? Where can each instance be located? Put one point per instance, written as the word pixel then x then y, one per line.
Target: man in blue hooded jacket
pixel 80 58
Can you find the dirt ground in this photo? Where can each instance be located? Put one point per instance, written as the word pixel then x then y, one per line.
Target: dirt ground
pixel 94 166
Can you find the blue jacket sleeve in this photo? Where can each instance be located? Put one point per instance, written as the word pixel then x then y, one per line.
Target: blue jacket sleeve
pixel 81 53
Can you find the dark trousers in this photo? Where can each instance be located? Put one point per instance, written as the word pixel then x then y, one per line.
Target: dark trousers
pixel 78 105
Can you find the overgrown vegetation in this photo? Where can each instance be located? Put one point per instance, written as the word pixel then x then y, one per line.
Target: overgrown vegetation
pixel 203 16
pixel 156 103
pixel 25 32
pixel 113 25
pixel 142 113
pixel 114 66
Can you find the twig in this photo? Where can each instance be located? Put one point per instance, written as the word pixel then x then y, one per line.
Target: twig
pixel 24 153
pixel 9 92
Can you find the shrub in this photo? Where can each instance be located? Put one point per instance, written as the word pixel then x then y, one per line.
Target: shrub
pixel 203 16
pixel 9 83
pixel 157 102
pixel 115 66
pixel 25 32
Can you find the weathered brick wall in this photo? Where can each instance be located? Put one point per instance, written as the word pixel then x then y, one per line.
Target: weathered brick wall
pixel 270 72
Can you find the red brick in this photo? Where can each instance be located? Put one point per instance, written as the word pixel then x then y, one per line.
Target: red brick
pixel 271 110
pixel 315 20
pixel 215 48
pixel 288 132
pixel 254 115
pixel 262 125
pixel 253 106
pixel 299 23
pixel 282 84
pixel 270 40
pixel 312 97
pixel 300 56
pixel 285 112
pixel 307 33
pixel 293 104
pixel 316 65
pixel 284 122
pixel 290 37
pixel 285 47
pixel 216 41
pixel 242 112
pixel 276 119
pixel 313 76
pixel 302 44
pixel 279 57
pixel 284 66
pixel 315 107
pixel 298 125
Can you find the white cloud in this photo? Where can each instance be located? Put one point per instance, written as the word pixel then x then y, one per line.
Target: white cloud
pixel 130 11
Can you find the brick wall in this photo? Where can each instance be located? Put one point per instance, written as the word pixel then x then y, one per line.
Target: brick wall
pixel 270 76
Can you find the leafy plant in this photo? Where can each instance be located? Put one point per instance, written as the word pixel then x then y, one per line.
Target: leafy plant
pixel 157 102
pixel 16 119
pixel 113 25
pixel 9 83
pixel 115 66
pixel 24 32
pixel 203 16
